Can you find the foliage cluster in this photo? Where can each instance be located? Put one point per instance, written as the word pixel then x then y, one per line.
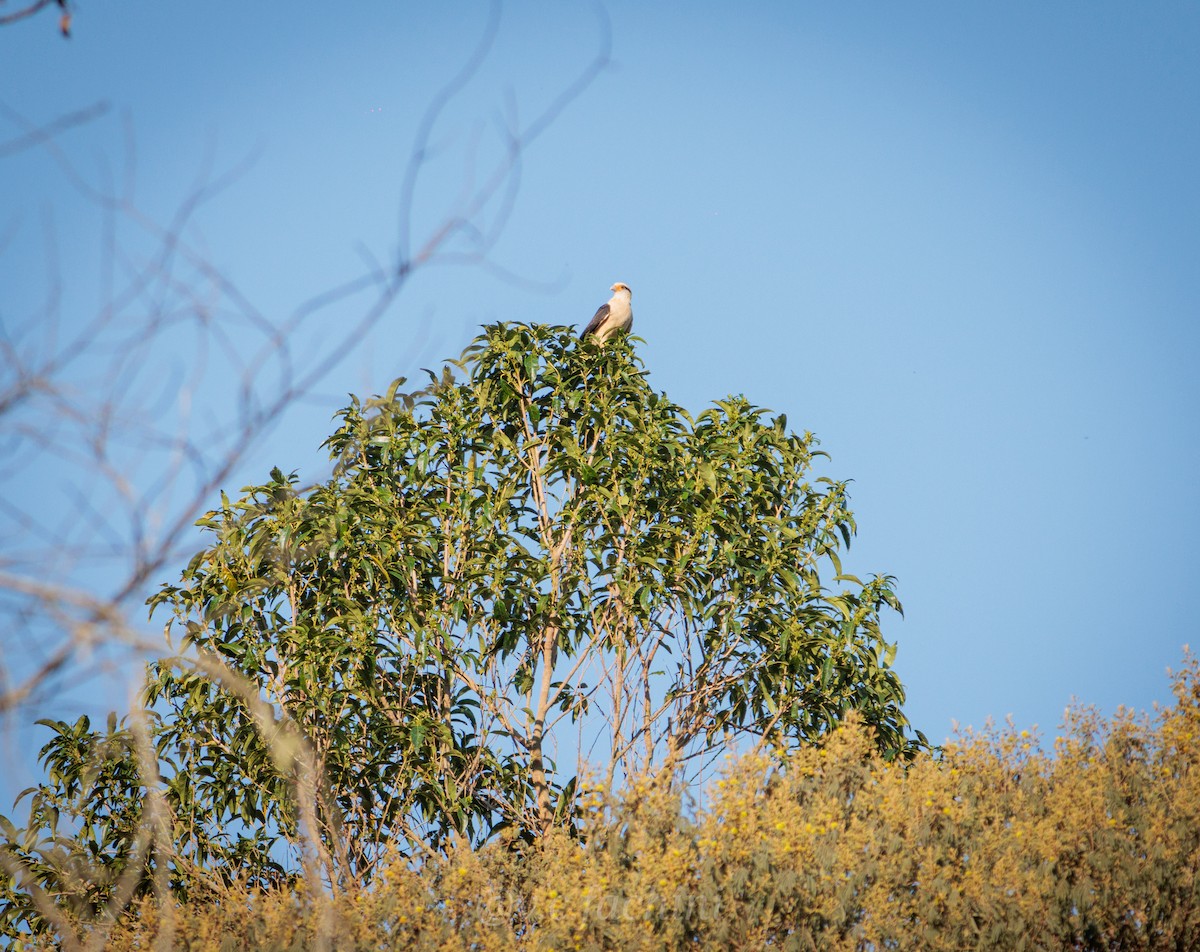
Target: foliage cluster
pixel 535 562
pixel 991 844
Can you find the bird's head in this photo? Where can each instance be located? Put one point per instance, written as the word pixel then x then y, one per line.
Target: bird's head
pixel 621 287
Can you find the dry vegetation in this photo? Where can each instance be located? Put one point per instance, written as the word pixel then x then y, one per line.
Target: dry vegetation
pixel 994 843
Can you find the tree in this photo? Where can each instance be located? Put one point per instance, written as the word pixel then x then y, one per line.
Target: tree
pixel 534 562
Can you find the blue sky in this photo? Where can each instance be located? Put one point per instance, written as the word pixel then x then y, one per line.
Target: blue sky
pixel 958 242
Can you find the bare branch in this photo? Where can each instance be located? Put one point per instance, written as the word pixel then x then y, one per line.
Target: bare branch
pixel 40 135
pixel 34 7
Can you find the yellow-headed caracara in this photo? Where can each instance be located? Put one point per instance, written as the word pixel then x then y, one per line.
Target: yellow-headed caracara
pixel 616 315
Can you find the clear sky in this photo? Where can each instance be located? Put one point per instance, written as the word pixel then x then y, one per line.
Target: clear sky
pixel 958 242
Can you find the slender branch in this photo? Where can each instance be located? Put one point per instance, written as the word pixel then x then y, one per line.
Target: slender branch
pixel 28 11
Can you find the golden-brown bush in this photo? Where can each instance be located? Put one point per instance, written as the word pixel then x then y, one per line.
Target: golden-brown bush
pixel 993 843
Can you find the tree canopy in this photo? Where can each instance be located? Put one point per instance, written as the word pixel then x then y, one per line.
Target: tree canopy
pixel 533 564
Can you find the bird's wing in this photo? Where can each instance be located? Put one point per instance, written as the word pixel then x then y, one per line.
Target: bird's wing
pixel 600 317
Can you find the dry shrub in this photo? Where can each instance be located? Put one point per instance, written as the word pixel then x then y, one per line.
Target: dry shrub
pixel 992 843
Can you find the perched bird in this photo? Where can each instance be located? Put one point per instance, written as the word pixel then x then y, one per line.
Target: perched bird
pixel 616 315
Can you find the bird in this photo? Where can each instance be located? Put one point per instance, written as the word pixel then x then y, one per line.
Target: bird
pixel 616 315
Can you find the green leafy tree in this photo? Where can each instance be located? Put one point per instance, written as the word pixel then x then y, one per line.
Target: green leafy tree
pixel 534 562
